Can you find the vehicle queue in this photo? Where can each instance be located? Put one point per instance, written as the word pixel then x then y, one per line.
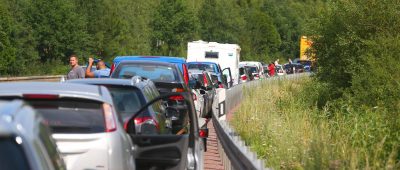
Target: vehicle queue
pixel 150 113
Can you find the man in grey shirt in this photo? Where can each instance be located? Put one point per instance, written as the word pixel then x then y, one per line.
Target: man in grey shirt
pixel 76 71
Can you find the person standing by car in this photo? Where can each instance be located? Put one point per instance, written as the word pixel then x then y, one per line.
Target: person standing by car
pixel 102 70
pixel 271 68
pixel 76 71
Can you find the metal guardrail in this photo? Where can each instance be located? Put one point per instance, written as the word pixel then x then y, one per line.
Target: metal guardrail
pixel 234 152
pixel 32 78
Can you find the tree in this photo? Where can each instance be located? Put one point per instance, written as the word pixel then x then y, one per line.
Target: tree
pixel 357 50
pixel 17 45
pixel 221 21
pixel 57 28
pixel 173 26
pixel 265 38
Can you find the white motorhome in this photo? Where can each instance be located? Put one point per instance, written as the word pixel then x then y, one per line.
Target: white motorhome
pixel 226 55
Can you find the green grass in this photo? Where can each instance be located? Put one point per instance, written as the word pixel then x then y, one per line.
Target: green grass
pixel 280 121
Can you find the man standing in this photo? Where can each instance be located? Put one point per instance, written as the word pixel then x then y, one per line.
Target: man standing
pixel 102 70
pixel 271 68
pixel 76 71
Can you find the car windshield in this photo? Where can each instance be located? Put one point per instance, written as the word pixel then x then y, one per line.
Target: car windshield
pixel 71 115
pixel 12 155
pixel 157 73
pixel 127 100
pixel 204 67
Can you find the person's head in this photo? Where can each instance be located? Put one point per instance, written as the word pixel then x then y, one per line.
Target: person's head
pixel 73 60
pixel 100 65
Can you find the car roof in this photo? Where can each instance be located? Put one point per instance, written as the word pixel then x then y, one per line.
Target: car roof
pixel 147 62
pixel 151 58
pixel 83 91
pixel 201 62
pixel 135 81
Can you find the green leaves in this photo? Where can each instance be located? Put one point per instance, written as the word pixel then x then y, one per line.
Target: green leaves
pixel 173 26
pixel 44 31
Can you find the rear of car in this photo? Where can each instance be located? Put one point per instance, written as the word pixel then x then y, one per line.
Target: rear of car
pixel 254 71
pixel 129 95
pixel 179 62
pixel 260 69
pixel 213 68
pixel 279 70
pixel 166 76
pixel 245 74
pixel 83 120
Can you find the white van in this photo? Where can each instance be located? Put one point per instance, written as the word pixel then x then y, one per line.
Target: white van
pixel 226 55
pixel 254 63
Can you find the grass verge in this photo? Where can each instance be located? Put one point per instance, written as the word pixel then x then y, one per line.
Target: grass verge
pixel 282 124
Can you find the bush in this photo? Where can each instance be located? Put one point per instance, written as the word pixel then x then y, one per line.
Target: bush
pixel 357 50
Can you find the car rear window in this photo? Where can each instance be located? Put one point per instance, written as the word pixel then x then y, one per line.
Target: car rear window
pixel 127 101
pixel 253 69
pixel 205 67
pixel 71 115
pixel 156 73
pixel 199 77
pixel 12 155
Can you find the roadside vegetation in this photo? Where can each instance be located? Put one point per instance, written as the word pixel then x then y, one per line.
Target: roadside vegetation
pixel 282 123
pixel 347 116
pixel 43 33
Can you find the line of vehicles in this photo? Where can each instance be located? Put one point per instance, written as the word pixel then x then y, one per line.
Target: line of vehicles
pixel 151 113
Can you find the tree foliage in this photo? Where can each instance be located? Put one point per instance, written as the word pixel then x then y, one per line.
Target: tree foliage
pixel 358 49
pixel 39 32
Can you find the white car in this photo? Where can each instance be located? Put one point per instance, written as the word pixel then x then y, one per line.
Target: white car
pixel 279 70
pixel 85 126
pixel 260 68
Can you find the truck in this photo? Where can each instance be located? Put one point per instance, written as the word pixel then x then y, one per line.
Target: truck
pixel 226 55
pixel 307 53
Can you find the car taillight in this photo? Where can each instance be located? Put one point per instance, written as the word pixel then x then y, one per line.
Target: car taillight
pixel 185 74
pixel 146 119
pixel 112 68
pixel 109 118
pixel 203 133
pixel 176 97
pixel 178 90
pixel 205 80
pixel 244 77
pixel 40 96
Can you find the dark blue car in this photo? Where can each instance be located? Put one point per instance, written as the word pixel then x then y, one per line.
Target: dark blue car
pixel 213 68
pixel 180 63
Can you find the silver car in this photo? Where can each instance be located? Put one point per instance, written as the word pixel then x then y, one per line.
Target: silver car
pixel 25 141
pixel 84 122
